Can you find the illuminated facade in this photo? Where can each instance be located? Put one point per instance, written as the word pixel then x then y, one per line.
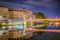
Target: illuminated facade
pixel 4 11
pixel 15 13
pixel 22 14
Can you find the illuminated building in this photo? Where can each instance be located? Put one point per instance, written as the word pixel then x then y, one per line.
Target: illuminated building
pixel 15 13
pixel 18 13
pixel 4 11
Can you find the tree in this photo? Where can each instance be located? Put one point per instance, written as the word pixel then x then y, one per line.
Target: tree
pixel 40 15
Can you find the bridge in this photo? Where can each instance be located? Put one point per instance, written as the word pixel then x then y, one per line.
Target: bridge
pixel 49 19
pixel 55 21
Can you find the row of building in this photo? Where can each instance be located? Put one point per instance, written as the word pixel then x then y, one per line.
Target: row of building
pixel 7 13
pixel 21 24
pixel 15 13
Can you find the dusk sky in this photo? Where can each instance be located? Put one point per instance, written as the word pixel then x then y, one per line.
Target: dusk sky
pixel 51 8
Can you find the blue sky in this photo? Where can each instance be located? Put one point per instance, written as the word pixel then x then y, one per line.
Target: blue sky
pixel 51 8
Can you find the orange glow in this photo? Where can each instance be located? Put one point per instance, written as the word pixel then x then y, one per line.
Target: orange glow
pixel 55 20
pixel 42 30
pixel 57 23
pixel 50 19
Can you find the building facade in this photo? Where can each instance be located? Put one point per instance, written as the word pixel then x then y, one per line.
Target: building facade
pixel 15 13
pixel 22 14
pixel 4 11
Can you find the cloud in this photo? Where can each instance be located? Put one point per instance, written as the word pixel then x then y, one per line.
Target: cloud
pixel 39 3
pixel 14 4
pixel 34 3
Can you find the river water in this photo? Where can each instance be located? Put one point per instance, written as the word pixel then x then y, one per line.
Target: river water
pixel 46 35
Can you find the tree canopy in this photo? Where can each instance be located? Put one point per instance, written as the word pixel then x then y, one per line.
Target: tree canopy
pixel 40 15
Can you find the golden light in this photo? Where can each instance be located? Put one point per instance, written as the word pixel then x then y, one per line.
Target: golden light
pixel 57 23
pixel 0 17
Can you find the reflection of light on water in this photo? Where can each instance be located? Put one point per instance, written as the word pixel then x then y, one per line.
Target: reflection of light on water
pixel 3 27
pixel 24 33
pixel 41 25
pixel 57 23
pixel 1 32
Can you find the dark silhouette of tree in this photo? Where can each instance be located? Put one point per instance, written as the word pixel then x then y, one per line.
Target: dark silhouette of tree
pixel 40 15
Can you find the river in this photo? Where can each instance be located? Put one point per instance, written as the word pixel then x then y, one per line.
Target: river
pixel 46 35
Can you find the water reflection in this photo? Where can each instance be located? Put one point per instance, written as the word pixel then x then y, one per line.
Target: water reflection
pixel 47 35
